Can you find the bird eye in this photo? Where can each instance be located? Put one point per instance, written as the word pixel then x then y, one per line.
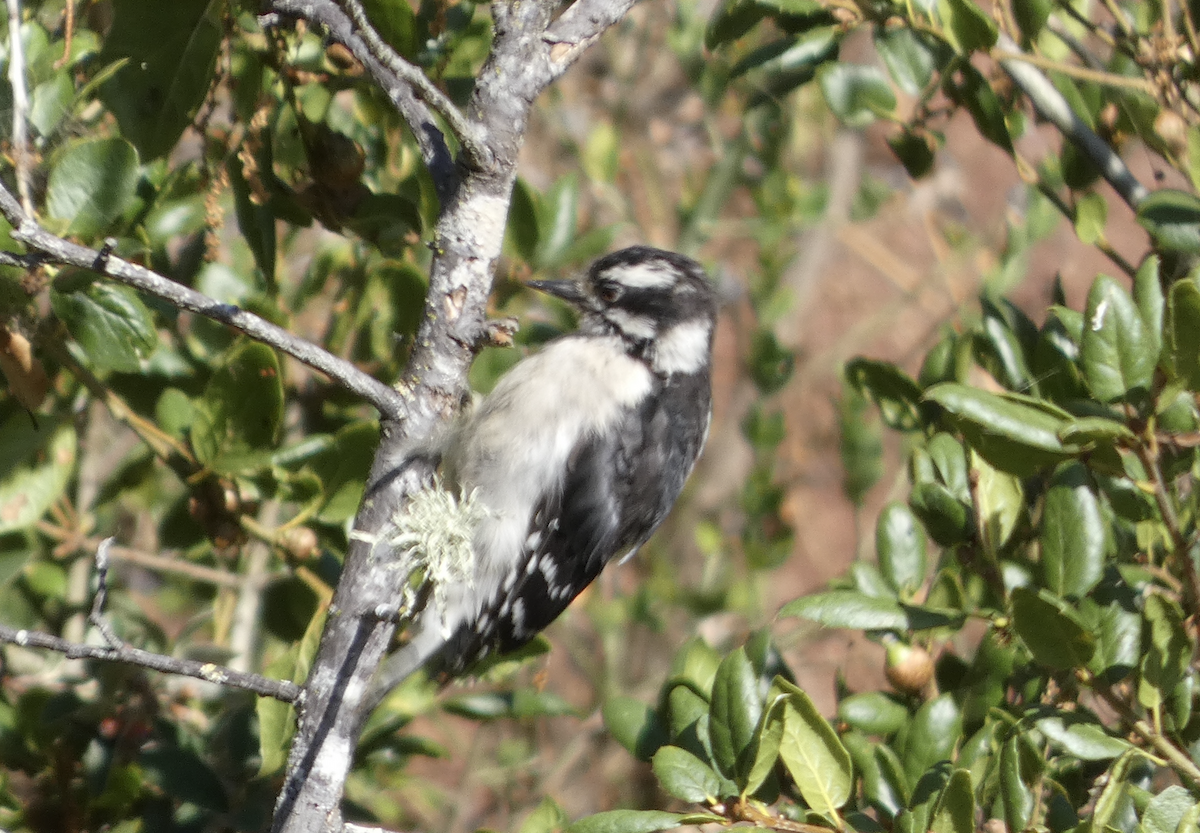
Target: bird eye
pixel 608 292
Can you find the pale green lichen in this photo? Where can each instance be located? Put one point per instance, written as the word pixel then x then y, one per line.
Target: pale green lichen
pixel 434 534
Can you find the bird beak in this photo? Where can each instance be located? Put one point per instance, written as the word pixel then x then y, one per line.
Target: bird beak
pixel 568 290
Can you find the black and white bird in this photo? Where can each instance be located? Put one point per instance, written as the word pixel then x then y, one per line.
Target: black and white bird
pixel 575 457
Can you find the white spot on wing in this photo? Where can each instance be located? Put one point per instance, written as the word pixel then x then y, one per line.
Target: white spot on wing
pixel 653 274
pixel 683 348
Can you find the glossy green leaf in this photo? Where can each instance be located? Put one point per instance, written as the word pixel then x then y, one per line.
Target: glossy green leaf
pixel 627 821
pixel 734 713
pixel 932 736
pixel 852 609
pixel 1012 436
pixel 1051 630
pixel 110 322
pixel 900 548
pixel 1081 736
pixel 799 55
pixel 1167 658
pixel 395 22
pixel 240 416
pixel 1116 355
pixel 908 57
pixel 1016 794
pixel 890 388
pixel 37 463
pixel 1074 533
pixel 1118 632
pixel 92 184
pixel 173 50
pixel 1091 214
pixel 634 725
pixel 873 713
pixel 856 93
pixel 955 811
pixel 1185 332
pixel 947 519
pixel 813 754
pixel 877 790
pixel 968 26
pixel 999 503
pixel 1004 346
pixel 1114 793
pixel 1096 430
pixel 1173 218
pixel 970 89
pixel 686 777
pixel 731 20
pixel 1148 296
pixel 763 751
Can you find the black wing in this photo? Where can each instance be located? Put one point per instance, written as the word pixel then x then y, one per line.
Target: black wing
pixel 638 471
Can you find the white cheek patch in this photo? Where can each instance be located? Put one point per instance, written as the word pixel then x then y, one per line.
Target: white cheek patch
pixel 634 326
pixel 683 348
pixel 650 275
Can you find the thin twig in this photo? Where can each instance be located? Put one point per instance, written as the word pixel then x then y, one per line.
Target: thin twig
pixel 55 249
pixel 1053 107
pixel 283 690
pixel 1105 79
pixel 20 105
pixel 474 147
pixel 1183 765
pixel 96 617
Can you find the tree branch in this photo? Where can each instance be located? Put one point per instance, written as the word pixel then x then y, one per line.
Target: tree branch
pixel 475 151
pixel 283 690
pixel 579 27
pixel 51 248
pixel 417 114
pixel 20 105
pixel 1053 107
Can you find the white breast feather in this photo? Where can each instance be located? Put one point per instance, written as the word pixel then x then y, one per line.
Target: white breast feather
pixel 558 397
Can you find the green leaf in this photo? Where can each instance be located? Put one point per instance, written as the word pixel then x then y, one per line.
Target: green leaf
pixel 1051 630
pixel 734 713
pixel 1016 797
pixel 800 55
pixel 1074 533
pixel 1185 332
pixel 1167 658
pixel 1166 810
pixel 276 719
pixel 1118 639
pixel 955 812
pixel 860 443
pixel 1117 356
pixel 92 184
pixel 1011 435
pixel 890 388
pixel 685 776
pixel 969 27
pixel 110 322
pixel 627 821
pixel 812 753
pixel 873 713
pixel 900 547
pixel 50 102
pixel 240 416
pixel 908 58
pixel 968 88
pixel 183 776
pixel 634 725
pixel 1081 736
pixel 770 362
pixel 558 221
pixel 37 463
pixel 173 50
pixel 947 519
pixel 932 736
pixel 1031 16
pixel 764 747
pixel 1173 218
pixel 1114 793
pixel 916 151
pixel 1091 214
pixel 1148 296
pixel 999 503
pixel 852 609
pixel 395 23
pixel 856 93
pixel 731 20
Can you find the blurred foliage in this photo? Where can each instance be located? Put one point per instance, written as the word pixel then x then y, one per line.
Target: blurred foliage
pixel 1040 649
